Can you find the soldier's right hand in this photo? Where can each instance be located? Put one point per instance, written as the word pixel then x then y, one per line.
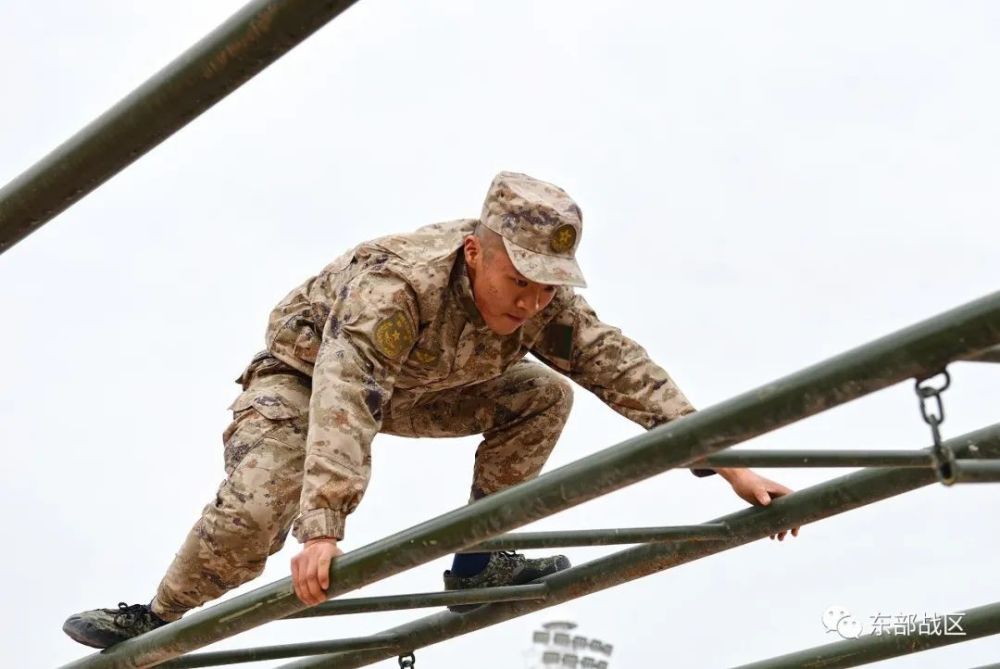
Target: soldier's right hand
pixel 311 569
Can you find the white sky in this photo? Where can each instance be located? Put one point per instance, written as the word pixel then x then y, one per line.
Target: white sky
pixel 764 185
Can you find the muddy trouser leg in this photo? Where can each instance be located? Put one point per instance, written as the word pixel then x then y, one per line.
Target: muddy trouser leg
pixel 520 415
pixel 254 507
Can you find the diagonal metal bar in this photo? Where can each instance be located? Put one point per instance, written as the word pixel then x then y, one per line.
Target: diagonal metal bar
pixel 917 351
pixel 249 41
pixel 216 658
pixel 973 471
pixel 799 508
pixel 815 458
pixel 989 355
pixel 608 537
pixel 337 607
pixel 975 623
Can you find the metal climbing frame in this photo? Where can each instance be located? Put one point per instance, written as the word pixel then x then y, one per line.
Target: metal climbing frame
pixel 915 352
pixel 244 45
pixel 250 40
pixel 919 351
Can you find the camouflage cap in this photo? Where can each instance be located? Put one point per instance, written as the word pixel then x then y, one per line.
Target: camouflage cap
pixel 541 227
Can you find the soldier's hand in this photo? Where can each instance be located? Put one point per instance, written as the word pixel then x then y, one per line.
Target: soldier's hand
pixel 311 569
pixel 759 491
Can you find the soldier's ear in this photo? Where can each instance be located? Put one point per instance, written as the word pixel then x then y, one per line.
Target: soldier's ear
pixel 473 249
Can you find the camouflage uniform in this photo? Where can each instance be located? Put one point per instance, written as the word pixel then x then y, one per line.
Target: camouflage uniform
pixel 387 338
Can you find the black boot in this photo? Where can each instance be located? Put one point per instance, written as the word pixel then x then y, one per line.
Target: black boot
pixel 101 628
pixel 504 568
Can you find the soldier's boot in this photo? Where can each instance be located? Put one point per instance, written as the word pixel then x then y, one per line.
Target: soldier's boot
pixel 504 568
pixel 101 628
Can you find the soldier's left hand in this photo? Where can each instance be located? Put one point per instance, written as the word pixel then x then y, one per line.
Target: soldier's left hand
pixel 759 491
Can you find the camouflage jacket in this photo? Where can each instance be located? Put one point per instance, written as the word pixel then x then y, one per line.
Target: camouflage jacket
pixel 396 315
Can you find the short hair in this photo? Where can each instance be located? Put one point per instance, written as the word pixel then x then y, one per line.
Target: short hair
pixel 491 241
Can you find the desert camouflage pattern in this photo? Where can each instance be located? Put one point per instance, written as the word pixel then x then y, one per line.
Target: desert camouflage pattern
pixel 387 338
pixel 254 506
pixel 519 413
pixel 396 316
pixel 541 227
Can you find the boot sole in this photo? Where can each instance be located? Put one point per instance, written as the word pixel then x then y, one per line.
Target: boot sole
pixel 80 638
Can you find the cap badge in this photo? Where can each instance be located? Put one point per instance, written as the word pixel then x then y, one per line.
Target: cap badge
pixel 563 239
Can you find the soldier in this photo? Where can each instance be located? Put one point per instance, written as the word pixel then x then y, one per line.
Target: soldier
pixel 419 335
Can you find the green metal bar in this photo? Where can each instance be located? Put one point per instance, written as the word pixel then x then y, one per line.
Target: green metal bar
pixel 989 355
pixel 338 607
pixel 976 623
pixel 815 458
pixel 380 642
pixel 799 508
pixel 973 471
pixel 610 537
pixel 916 351
pixel 249 41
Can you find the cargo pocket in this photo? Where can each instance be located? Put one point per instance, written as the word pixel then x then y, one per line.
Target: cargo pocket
pixel 257 412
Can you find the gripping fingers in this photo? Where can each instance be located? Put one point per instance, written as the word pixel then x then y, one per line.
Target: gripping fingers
pixel 313 588
pixel 780 536
pixel 304 580
pixel 311 571
pixel 297 579
pixel 323 573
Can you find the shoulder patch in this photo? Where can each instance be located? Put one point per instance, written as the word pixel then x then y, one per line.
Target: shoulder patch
pixel 558 339
pixel 393 335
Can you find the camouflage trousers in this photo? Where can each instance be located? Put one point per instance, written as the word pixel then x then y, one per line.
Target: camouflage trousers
pixel 520 415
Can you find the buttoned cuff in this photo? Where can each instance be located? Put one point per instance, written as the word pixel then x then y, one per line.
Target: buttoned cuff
pixel 319 523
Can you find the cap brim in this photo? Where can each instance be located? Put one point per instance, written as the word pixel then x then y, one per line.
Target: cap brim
pixel 546 269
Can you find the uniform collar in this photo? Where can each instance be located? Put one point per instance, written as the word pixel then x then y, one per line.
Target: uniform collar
pixel 461 287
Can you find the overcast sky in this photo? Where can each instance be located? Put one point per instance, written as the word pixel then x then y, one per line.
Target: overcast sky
pixel 763 184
